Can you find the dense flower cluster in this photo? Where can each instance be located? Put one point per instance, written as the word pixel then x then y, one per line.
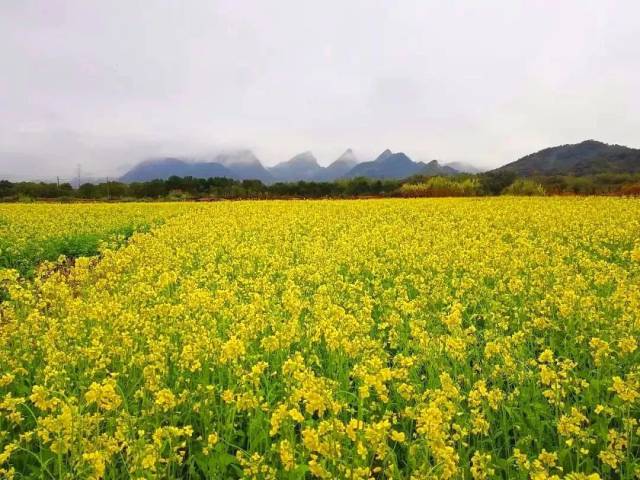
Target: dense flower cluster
pixel 396 339
pixel 30 233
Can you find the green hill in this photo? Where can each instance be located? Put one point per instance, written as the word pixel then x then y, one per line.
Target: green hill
pixel 586 158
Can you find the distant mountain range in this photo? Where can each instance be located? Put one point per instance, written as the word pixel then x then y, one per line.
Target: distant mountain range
pixel 464 167
pixel 339 168
pixel 243 165
pixel 586 158
pixel 397 165
pixel 303 166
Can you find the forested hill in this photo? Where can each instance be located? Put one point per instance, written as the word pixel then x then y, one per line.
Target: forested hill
pixel 586 158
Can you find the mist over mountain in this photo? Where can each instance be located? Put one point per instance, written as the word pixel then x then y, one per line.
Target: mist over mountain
pixel 338 168
pixel 303 166
pixel 589 157
pixel 433 168
pixel 239 165
pixel 163 168
pixel 397 166
pixel 464 167
pixel 244 165
pixel 387 165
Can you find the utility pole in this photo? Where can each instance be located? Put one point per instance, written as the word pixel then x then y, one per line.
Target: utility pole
pixel 58 183
pixel 79 174
pixel 108 190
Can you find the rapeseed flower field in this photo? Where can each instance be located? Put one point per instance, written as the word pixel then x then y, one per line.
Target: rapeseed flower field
pixel 383 339
pixel 30 233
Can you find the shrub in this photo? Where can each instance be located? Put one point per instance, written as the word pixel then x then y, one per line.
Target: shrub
pixel 493 183
pixel 523 187
pixel 631 189
pixel 441 187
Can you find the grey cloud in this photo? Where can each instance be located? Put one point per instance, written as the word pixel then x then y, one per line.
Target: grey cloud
pixel 107 84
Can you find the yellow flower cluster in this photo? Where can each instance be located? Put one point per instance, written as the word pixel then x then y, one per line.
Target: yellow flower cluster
pixel 30 233
pixel 387 339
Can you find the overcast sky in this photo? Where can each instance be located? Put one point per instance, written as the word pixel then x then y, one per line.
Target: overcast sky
pixel 108 83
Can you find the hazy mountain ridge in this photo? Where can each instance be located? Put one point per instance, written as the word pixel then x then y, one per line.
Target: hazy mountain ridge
pixel 589 157
pixel 338 168
pixel 396 166
pixel 303 166
pixel 464 167
pixel 244 165
pixel 163 168
pixel 435 168
pixel 241 165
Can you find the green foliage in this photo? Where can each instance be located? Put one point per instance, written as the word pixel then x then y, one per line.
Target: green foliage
pixel 493 183
pixel 602 184
pixel 582 159
pixel 70 246
pixel 183 188
pixel 442 187
pixel 31 234
pixel 524 187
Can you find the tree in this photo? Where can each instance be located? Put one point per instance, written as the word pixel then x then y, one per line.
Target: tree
pixel 493 183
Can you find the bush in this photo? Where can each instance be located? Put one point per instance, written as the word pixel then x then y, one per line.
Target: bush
pixel 441 187
pixel 631 190
pixel 22 198
pixel 493 183
pixel 524 187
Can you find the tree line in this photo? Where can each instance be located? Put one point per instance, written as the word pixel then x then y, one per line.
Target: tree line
pixel 176 188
